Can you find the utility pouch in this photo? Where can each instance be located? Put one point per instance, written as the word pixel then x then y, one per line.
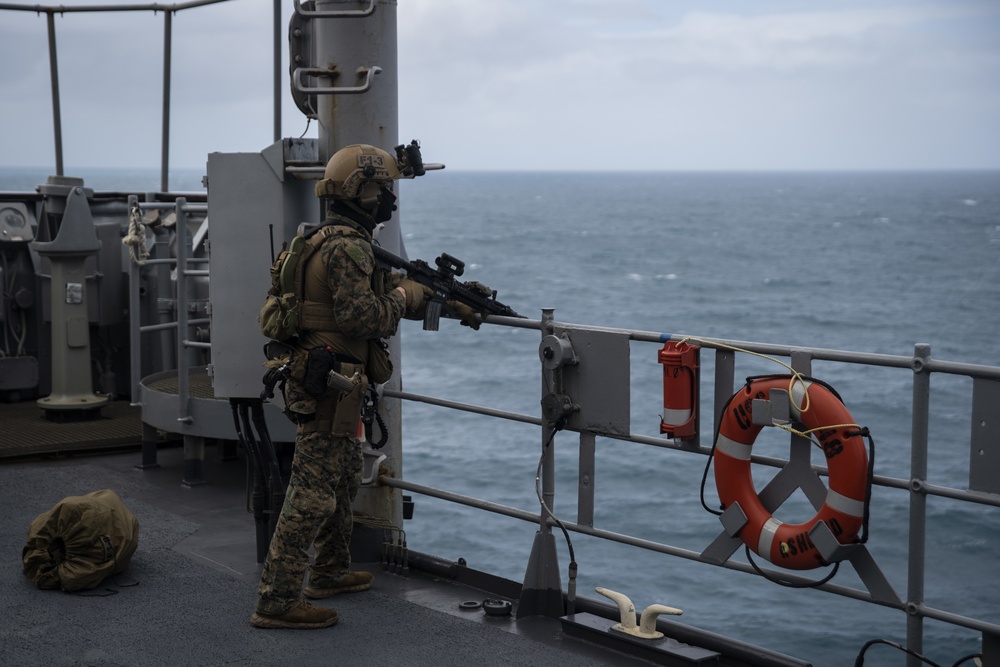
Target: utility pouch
pixel 319 363
pixel 348 413
pixel 379 366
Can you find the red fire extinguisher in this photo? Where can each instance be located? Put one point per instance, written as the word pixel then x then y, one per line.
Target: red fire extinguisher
pixel 680 389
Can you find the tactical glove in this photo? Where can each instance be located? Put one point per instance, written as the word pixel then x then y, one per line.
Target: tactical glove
pixel 464 313
pixel 416 294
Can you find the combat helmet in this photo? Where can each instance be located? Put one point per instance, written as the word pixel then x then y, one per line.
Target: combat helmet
pixel 358 171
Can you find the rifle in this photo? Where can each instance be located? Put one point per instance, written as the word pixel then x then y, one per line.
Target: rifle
pixel 442 281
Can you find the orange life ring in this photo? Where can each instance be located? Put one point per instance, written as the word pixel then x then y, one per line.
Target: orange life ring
pixel 785 544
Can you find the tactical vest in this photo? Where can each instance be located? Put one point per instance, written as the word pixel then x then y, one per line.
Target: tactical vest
pixel 300 279
pixel 316 300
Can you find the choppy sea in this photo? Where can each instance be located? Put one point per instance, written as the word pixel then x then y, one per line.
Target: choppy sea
pixel 860 261
pixel 867 262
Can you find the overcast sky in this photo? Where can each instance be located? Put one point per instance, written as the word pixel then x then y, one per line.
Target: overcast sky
pixel 532 84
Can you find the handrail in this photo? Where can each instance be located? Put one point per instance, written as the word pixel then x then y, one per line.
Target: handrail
pixel 367 72
pixel 182 324
pixel 844 591
pixel 144 7
pixel 920 365
pixel 335 14
pixel 817 353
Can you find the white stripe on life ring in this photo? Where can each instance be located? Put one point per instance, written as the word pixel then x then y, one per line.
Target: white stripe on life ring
pixel 733 449
pixel 766 538
pixel 845 505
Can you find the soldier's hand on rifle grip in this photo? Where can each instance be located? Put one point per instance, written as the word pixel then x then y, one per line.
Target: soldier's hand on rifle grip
pixel 464 313
pixel 415 293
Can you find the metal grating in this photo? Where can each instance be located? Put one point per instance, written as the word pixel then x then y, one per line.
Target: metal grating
pixel 24 430
pixel 199 384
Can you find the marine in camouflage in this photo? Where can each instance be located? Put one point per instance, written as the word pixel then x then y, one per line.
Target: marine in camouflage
pixel 326 469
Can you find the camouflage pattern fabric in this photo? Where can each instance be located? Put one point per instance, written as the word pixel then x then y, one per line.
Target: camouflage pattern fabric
pixel 345 275
pixel 326 475
pixel 326 470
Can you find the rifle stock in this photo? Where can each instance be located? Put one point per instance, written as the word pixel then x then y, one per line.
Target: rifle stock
pixel 441 281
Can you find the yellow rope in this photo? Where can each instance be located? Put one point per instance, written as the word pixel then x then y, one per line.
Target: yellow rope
pixel 796 377
pixel 807 434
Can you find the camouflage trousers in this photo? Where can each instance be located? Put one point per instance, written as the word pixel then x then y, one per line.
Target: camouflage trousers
pixel 326 475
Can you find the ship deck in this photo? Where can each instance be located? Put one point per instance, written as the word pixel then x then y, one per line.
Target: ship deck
pixel 197 580
pixel 195 576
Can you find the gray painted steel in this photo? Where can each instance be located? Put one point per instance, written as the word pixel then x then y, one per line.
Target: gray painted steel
pixel 192 603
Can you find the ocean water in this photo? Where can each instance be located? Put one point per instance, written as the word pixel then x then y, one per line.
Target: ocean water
pixel 867 262
pixel 22 179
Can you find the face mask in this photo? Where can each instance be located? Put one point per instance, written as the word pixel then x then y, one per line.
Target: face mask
pixel 386 205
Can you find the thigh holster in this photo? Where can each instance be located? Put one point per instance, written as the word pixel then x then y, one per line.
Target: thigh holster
pixel 340 413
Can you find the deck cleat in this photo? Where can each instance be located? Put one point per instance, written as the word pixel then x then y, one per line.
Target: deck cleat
pixel 647 622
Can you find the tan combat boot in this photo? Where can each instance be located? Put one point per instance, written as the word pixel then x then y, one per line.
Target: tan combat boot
pixel 303 616
pixel 352 582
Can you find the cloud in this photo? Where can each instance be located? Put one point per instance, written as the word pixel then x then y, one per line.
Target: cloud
pixel 561 84
pixel 738 89
pixel 782 42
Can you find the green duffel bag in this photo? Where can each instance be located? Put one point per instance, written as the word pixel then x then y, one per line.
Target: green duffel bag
pixel 80 542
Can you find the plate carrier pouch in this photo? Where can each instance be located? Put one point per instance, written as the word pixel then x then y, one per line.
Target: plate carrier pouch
pixel 80 541
pixel 279 316
pixel 285 310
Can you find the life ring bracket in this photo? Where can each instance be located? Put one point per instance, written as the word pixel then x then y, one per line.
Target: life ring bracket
pixel 829 547
pixel 733 519
pixel 775 409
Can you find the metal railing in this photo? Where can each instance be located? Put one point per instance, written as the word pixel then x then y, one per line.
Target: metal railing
pixel 983 477
pixel 182 299
pixel 605 343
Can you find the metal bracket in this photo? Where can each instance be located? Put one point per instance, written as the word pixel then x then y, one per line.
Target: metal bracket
pixel 773 410
pixel 733 519
pixel 297 86
pixel 728 541
pixel 594 372
pixel 828 546
pixel 984 457
pixel 556 406
pixel 859 557
pixel 342 14
pixel 372 459
pixel 556 351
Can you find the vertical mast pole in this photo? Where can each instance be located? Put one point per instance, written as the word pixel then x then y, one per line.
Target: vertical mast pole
pixel 54 76
pixel 351 40
pixel 168 15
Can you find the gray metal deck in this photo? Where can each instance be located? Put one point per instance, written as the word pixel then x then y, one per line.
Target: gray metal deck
pixel 197 584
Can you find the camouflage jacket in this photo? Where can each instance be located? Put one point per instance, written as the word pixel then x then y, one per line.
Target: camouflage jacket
pixel 350 302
